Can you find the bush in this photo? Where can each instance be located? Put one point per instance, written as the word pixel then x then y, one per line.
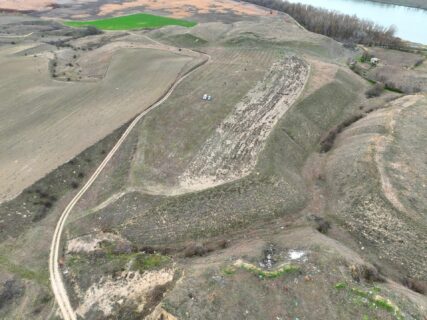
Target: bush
pixel 366 57
pixel 415 285
pixel 91 30
pixel 9 291
pixel 74 184
pixel 419 62
pixel 322 225
pixel 368 273
pixel 327 143
pixel 375 91
pixel 193 249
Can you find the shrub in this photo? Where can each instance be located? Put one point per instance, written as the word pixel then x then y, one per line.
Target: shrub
pixel 322 225
pixel 418 62
pixel 375 91
pixel 74 184
pixel 366 57
pixel 415 285
pixel 368 273
pixel 91 30
pixel 327 143
pixel 9 291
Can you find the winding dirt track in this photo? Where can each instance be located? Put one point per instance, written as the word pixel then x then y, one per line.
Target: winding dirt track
pixel 23 36
pixel 56 280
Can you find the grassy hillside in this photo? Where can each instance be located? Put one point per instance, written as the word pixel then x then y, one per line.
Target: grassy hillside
pixel 304 235
pixel 375 177
pixel 134 21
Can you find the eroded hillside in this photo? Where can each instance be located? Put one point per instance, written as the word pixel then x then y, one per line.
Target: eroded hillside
pixel 291 194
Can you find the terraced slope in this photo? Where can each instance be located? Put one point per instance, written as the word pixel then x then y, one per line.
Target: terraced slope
pixel 232 151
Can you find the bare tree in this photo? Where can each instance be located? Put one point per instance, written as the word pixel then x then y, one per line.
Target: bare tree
pixel 342 27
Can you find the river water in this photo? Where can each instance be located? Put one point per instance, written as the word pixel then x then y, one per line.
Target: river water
pixel 411 23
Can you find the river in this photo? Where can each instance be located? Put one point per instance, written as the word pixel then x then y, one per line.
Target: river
pixel 411 23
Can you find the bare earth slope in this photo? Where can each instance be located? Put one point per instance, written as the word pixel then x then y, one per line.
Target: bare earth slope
pixel 232 151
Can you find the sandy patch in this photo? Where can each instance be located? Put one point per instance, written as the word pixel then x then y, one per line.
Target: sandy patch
pixel 80 16
pixel 161 314
pixel 322 73
pixel 184 8
pixel 36 5
pixel 133 286
pixel 91 242
pixel 23 5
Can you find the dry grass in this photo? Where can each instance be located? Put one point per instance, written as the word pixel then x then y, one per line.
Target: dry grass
pixel 53 121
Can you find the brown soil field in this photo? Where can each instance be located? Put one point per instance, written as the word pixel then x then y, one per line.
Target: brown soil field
pixel 23 5
pixel 174 8
pixel 185 8
pixel 51 121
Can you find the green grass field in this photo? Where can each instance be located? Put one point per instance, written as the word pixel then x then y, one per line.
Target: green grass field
pixel 134 21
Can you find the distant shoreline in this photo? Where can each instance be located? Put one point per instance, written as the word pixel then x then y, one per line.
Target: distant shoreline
pixel 418 4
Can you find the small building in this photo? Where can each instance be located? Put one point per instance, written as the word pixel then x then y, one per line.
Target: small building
pixel 209 98
pixel 374 61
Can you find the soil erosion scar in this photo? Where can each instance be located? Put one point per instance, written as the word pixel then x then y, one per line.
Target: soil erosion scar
pixel 232 151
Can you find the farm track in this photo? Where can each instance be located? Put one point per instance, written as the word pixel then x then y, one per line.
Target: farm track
pixel 56 280
pixel 14 36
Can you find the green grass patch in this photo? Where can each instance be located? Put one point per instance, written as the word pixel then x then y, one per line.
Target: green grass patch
pixel 23 272
pixel 229 270
pixel 360 293
pixel 138 261
pixel 143 262
pixel 280 271
pixel 392 89
pixel 110 262
pixel 340 285
pixel 372 299
pixel 383 303
pixel 130 22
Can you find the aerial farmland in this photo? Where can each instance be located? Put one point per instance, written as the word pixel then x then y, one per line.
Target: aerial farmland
pixel 195 160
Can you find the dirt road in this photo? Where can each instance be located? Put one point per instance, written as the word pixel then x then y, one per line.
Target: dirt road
pixel 14 36
pixel 56 280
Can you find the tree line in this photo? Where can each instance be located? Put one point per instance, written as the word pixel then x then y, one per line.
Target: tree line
pixel 342 27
